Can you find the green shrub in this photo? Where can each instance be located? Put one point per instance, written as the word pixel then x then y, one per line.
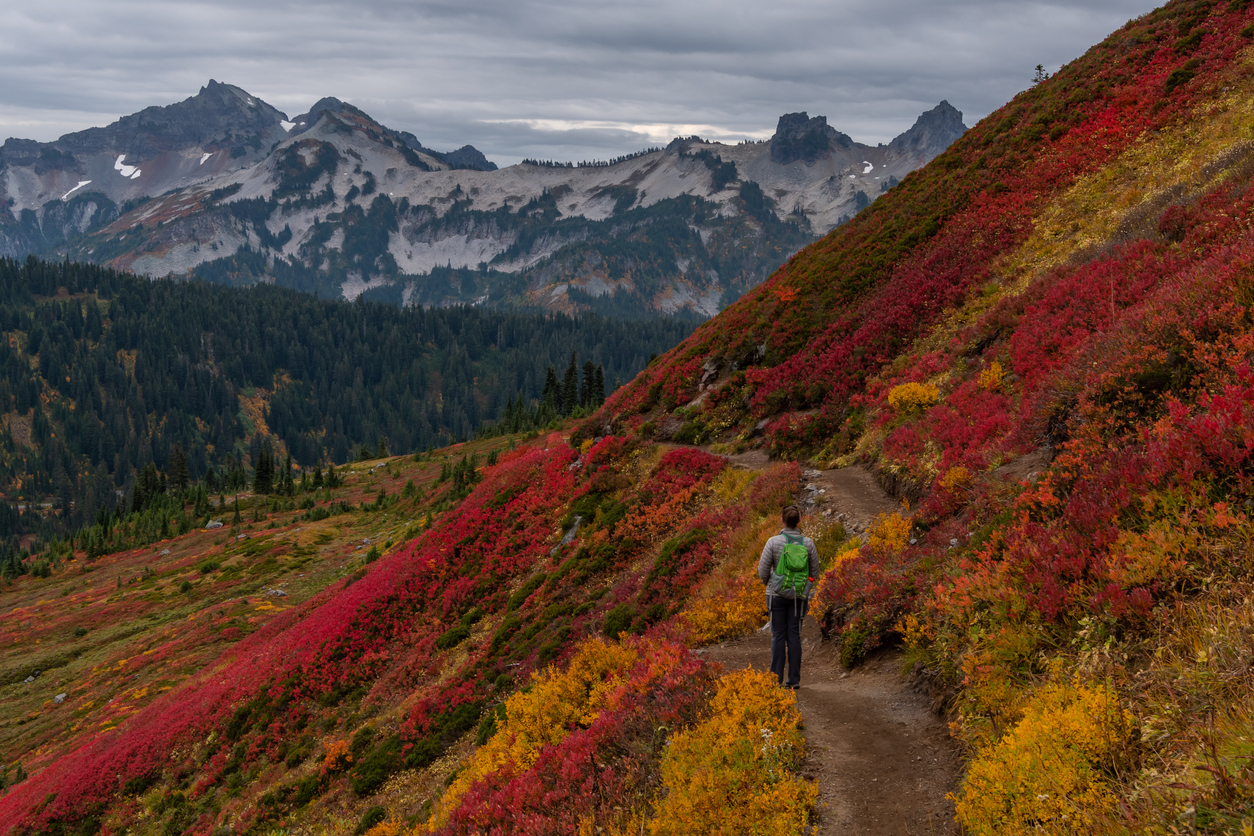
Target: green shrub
pixel 376 767
pixel 489 723
pixel 452 638
pixel 371 817
pixel 618 620
pixel 524 592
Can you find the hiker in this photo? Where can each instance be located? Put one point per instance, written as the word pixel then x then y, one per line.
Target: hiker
pixel 788 567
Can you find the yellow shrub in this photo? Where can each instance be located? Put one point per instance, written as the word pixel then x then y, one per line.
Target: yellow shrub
pixel 730 485
pixel 544 714
pixel 992 376
pixel 889 533
pixel 735 772
pixel 910 397
pixel 956 479
pixel 915 633
pixel 1046 774
pixel 732 601
pixel 729 613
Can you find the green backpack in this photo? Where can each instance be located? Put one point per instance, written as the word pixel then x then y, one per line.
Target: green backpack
pixel 794 567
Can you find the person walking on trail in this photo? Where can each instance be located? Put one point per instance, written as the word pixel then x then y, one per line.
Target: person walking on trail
pixel 788 567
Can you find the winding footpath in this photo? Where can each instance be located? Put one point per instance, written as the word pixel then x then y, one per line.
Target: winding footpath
pixel 883 759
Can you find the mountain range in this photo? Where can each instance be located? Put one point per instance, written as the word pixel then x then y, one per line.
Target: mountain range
pixel 224 186
pixel 1042 343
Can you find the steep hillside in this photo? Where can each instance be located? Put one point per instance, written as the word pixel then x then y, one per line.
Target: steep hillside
pixel 1042 341
pixel 335 203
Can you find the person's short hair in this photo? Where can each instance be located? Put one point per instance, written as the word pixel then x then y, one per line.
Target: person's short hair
pixel 792 516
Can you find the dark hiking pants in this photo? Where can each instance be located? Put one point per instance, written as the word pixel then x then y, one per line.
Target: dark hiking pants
pixel 786 615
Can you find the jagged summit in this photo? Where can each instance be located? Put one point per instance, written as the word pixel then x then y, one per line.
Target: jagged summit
pixel 217 112
pixel 932 132
pixel 800 137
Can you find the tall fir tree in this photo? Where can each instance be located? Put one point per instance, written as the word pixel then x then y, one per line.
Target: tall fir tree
pixel 263 474
pixel 179 475
pixel 586 384
pixel 570 387
pixel 551 399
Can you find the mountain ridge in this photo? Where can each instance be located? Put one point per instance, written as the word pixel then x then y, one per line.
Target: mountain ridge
pixel 214 201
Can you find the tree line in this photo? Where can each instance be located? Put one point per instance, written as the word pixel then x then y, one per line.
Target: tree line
pixel 103 373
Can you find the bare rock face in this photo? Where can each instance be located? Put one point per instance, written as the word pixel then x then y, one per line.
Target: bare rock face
pixel 933 132
pixel 800 137
pixel 217 112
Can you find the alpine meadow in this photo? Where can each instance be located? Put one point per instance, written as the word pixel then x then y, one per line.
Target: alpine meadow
pixel 283 565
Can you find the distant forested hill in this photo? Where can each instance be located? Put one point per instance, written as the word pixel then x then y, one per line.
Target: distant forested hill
pixel 102 372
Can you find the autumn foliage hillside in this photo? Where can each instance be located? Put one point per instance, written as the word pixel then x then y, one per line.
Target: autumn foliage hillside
pixel 415 652
pixel 1043 342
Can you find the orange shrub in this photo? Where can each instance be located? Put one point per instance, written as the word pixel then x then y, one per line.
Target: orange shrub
pixel 889 534
pixel 992 376
pixel 338 758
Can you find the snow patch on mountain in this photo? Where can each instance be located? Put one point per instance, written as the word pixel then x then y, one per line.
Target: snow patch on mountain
pixel 127 171
pixel 80 185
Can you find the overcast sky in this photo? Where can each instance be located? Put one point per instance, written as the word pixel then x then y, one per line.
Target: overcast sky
pixel 555 79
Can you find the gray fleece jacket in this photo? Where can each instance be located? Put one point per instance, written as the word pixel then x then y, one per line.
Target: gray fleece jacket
pixel 771 553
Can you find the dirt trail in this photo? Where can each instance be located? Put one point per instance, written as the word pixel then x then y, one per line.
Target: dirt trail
pixel 883 760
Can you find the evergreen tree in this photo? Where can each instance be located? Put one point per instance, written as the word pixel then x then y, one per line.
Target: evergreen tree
pixel 236 519
pixel 586 384
pixel 551 399
pixel 147 488
pixel 263 474
pixel 179 475
pixel 598 387
pixel 570 387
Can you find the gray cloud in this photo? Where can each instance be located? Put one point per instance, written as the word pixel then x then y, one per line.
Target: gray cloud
pixel 561 79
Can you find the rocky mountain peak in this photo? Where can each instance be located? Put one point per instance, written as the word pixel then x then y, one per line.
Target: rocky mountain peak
pixel 798 136
pixel 469 157
pixel 932 132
